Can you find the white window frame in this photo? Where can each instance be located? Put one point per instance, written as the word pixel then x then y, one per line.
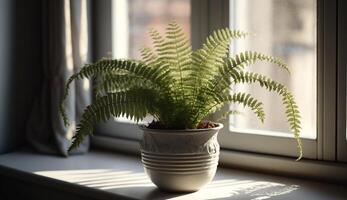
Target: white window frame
pixel 324 147
pixel 260 143
pixel 208 15
pixel 218 17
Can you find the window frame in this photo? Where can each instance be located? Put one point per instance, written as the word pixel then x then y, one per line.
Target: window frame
pixel 208 15
pixel 102 20
pixel 324 146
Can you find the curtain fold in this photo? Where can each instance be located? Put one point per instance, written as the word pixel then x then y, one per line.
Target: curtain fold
pixel 66 49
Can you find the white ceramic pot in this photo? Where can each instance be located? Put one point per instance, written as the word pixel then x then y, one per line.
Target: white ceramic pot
pixel 180 160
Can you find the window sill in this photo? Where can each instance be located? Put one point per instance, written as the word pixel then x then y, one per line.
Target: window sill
pixel 278 165
pixel 106 175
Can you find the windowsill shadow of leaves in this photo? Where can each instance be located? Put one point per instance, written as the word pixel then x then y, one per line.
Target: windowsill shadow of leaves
pixel 128 181
pixel 240 190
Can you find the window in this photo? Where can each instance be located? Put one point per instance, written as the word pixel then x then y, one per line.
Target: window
pixel 316 22
pixel 286 29
pixel 302 33
pixel 131 21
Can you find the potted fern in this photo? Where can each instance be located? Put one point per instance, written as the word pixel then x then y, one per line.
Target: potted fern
pixel 179 88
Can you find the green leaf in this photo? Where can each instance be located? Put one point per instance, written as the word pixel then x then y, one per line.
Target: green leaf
pixel 134 103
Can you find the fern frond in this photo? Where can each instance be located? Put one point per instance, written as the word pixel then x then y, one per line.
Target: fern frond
pixel 236 64
pixel 64 115
pixel 175 52
pixel 246 100
pixel 292 110
pixel 117 83
pixel 136 104
pixel 210 57
pixel 293 117
pixel 232 68
pixel 226 114
pixel 179 49
pixel 214 50
pixel 148 56
pixel 241 98
pixel 248 57
pixel 157 39
pixel 157 76
pixel 159 44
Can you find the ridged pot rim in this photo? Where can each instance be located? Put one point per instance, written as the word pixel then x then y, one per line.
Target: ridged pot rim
pixel 176 156
pixel 179 164
pixel 184 173
pixel 175 169
pixel 181 131
pixel 174 160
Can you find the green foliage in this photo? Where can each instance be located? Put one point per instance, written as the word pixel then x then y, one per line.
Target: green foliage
pixel 177 86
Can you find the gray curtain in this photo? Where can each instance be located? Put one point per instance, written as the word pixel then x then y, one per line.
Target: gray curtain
pixel 65 50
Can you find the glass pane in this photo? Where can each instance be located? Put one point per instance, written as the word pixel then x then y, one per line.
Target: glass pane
pixel 286 29
pixel 132 19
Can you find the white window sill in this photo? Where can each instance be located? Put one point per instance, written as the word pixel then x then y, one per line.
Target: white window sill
pixel 106 175
pixel 279 165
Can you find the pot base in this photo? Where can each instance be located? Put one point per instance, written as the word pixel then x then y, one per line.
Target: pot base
pixel 181 182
